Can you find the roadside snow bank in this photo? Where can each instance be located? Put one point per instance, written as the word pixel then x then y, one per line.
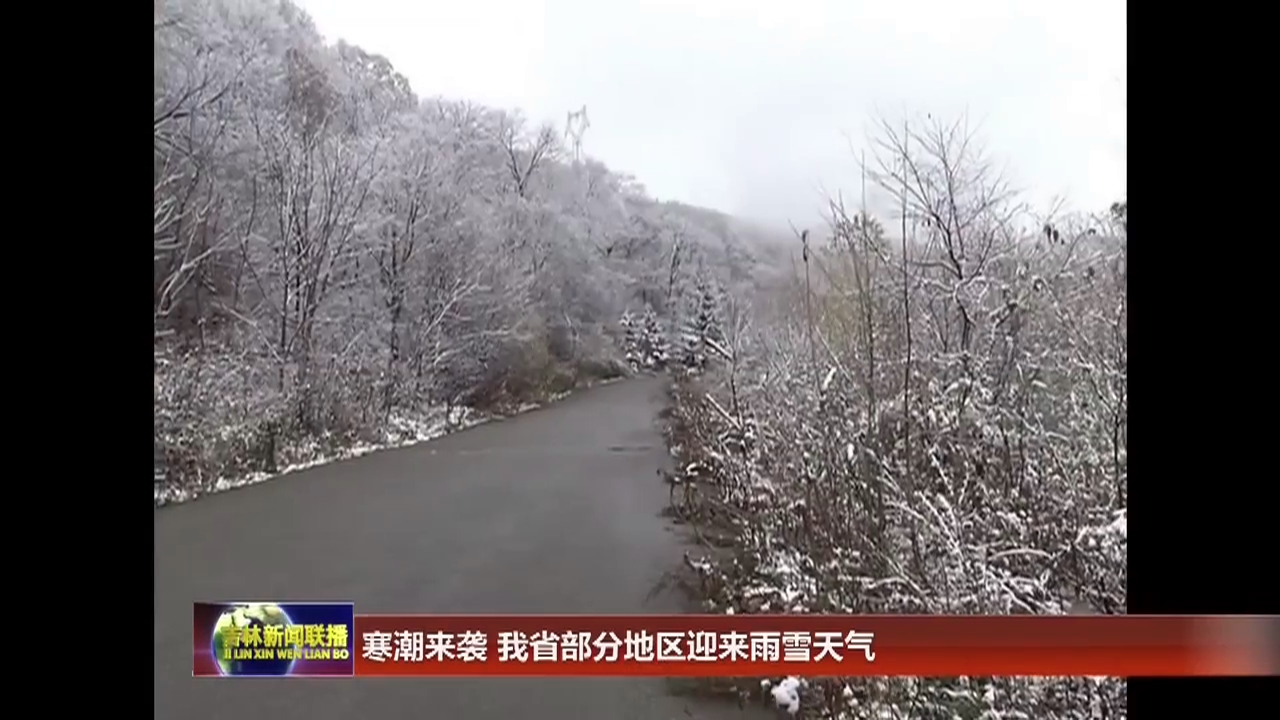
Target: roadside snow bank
pixel 403 430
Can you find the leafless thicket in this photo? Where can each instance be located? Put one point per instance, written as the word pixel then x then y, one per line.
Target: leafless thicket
pixel 959 446
pixel 337 261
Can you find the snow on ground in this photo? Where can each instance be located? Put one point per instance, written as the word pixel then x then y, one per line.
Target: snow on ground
pixel 1120 525
pixel 404 431
pixel 786 694
pixel 1115 531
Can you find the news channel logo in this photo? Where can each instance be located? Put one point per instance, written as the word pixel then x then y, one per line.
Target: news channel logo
pixel 273 639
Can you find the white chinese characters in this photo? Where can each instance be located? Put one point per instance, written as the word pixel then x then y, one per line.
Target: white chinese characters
pixel 409 646
pixel 514 646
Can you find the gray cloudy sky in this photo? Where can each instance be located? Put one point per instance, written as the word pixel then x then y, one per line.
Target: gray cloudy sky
pixel 748 106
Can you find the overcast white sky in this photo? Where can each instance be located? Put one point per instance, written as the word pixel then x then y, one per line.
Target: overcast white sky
pixel 748 106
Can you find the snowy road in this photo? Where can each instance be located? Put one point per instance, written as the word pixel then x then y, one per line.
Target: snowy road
pixel 552 511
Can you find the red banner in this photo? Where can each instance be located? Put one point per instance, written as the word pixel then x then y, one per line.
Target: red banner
pixel 814 645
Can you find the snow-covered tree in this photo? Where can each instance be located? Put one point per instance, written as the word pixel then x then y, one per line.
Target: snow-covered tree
pixel 336 259
pixel 644 341
pixel 702 331
pixel 632 346
pixel 652 350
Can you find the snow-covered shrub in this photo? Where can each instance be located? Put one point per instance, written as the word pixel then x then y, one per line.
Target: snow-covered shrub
pixel 953 439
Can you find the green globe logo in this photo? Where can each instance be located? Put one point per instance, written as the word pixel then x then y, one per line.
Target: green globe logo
pixel 246 621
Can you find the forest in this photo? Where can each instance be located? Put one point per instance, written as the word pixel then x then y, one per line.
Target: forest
pixel 339 262
pixel 922 412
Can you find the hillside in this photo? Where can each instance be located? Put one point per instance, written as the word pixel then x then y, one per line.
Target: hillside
pixel 338 261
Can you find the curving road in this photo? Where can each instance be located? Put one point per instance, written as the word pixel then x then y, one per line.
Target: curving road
pixel 555 510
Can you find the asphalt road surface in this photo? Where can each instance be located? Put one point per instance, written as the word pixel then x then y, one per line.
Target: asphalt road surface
pixel 553 511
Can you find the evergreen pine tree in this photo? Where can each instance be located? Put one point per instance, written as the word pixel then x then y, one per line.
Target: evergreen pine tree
pixel 703 326
pixel 631 341
pixel 654 342
pixel 689 346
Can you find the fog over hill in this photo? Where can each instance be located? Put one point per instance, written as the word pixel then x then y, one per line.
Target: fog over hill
pixel 760 108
